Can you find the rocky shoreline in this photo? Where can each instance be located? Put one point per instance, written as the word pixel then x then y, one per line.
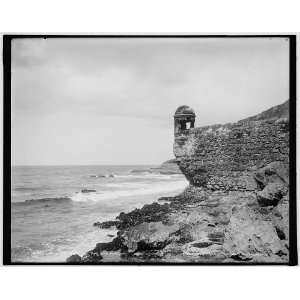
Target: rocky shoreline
pixel 236 208
pixel 204 226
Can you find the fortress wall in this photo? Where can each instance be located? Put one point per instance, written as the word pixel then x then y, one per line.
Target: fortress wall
pixel 225 156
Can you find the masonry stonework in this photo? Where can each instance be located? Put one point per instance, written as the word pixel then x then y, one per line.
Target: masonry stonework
pixel 225 157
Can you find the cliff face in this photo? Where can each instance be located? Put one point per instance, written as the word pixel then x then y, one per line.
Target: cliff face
pixel 224 157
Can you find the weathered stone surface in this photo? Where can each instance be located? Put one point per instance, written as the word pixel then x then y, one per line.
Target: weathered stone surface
pixel 148 213
pixel 280 220
pixel 75 258
pixel 106 224
pixel 115 245
pixel 148 236
pixel 271 194
pixel 250 234
pixel 222 157
pixel 275 172
pixel 92 256
pixel 221 227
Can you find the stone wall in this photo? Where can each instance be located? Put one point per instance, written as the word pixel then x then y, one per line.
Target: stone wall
pixel 224 157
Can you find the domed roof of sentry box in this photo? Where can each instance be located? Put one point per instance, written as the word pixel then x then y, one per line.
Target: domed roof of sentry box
pixel 184 110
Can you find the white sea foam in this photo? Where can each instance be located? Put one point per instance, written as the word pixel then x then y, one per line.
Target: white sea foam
pixel 151 176
pixel 70 221
pixel 131 189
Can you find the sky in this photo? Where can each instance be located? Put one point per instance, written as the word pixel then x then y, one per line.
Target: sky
pixel 111 101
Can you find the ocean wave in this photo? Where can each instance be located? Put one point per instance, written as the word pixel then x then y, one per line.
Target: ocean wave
pixel 131 185
pixel 151 176
pixel 134 190
pixel 27 189
pixel 19 253
pixel 102 176
pixel 139 171
pixel 43 200
pixel 38 250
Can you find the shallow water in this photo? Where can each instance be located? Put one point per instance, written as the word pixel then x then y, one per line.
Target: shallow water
pixel 51 218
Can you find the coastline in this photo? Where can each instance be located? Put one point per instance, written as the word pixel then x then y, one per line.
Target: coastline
pixel 52 217
pixel 198 226
pixel 235 209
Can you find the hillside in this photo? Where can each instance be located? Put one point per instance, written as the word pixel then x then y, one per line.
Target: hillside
pixel 275 112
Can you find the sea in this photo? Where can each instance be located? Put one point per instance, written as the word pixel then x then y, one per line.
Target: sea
pixel 54 207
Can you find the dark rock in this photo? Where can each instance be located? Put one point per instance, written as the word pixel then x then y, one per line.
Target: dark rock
pixel 92 256
pixel 281 253
pixel 75 258
pixel 165 199
pixel 280 233
pixel 280 220
pixel 148 236
pixel 87 191
pixel 171 199
pixel 183 235
pixel 271 194
pixel 143 246
pixel 240 257
pixel 106 224
pixel 202 244
pixel 216 237
pixel 148 213
pixel 115 245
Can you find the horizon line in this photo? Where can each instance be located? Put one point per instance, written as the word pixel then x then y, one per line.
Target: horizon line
pixel 79 165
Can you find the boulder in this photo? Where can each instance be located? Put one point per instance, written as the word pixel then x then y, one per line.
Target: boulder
pixel 115 245
pixel 273 172
pixel 148 236
pixel 92 256
pixel 106 224
pixel 271 194
pixel 75 258
pixel 251 235
pixel 148 213
pixel 280 219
